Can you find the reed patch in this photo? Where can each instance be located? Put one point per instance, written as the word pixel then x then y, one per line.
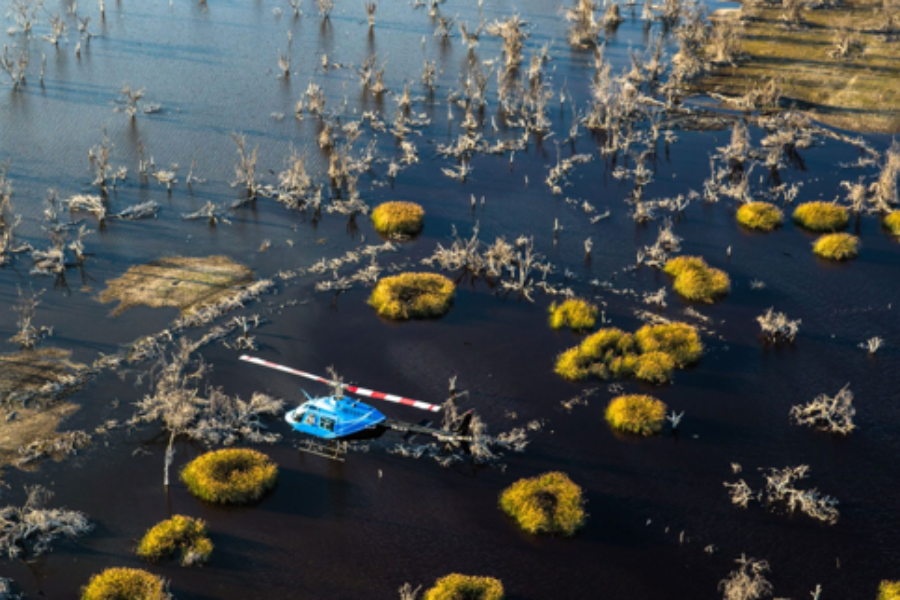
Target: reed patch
pixel 413 296
pixel 575 313
pixel 230 476
pixel 549 503
pixel 697 281
pixel 821 216
pixel 837 246
pixel 637 414
pixel 186 535
pixel 760 216
pixel 122 583
pixel 465 587
pixel 398 217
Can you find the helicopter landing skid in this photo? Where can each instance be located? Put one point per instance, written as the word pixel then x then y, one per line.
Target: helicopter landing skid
pixel 332 450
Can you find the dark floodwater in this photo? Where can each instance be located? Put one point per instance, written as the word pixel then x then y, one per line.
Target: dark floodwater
pixel 335 531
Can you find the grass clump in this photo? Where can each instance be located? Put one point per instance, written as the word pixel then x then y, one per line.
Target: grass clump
pixel 821 216
pixel 575 313
pixel 695 280
pixel 184 283
pixel 643 415
pixel 121 583
pixel 837 246
pixel 762 216
pixel 892 222
pixel 230 476
pixel 889 590
pixel 549 503
pixel 398 217
pixel 651 354
pixel 413 295
pixel 182 533
pixel 465 587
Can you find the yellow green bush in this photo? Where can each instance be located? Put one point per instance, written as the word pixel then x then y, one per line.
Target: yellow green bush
pixel 575 313
pixel 182 533
pixel 695 280
pixel 398 217
pixel 762 216
pixel 889 590
pixel 121 583
pixel 892 222
pixel 821 216
pixel 837 246
pixel 230 476
pixel 549 503
pixel 413 295
pixel 465 587
pixel 651 354
pixel 643 415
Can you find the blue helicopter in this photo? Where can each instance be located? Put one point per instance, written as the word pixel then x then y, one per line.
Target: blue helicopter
pixel 338 418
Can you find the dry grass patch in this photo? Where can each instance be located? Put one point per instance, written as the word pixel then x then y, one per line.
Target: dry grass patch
pixel 184 283
pixel 413 296
pixel 575 313
pixel 398 217
pixel 121 583
pixel 642 415
pixel 180 533
pixel 837 246
pixel 549 503
pixel 761 216
pixel 821 216
pixel 230 476
pixel 860 92
pixel 697 281
pixel 465 587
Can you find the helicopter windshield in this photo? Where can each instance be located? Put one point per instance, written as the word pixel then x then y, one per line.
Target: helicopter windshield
pixel 310 419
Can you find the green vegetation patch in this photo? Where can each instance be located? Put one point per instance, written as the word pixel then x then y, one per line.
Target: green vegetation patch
pixel 413 296
pixel 695 280
pixel 398 217
pixel 184 283
pixel 821 216
pixel 860 92
pixel 549 503
pixel 230 476
pixel 575 313
pixel 121 583
pixel 186 534
pixel 889 590
pixel 837 246
pixel 892 222
pixel 643 415
pixel 650 354
pixel 761 216
pixel 465 587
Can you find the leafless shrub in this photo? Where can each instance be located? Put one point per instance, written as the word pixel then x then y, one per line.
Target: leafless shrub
pixel 780 489
pixel 828 413
pixel 725 40
pixel 245 168
pixel 325 8
pixel 470 38
pixel 857 195
pixel 57 29
pixel 129 100
pixel 57 445
pixel 512 31
pixel 24 12
pixel 29 530
pixel 210 212
pixel 371 7
pixel 585 29
pixel 777 327
pixel 105 175
pixel 88 203
pixel 747 582
pixel 16 66
pixel 693 35
pixel 872 345
pixel 741 493
pixel 407 592
pixel 28 335
pixel 284 63
pixel 884 190
pixel 666 244
pixel 429 74
pixel 144 210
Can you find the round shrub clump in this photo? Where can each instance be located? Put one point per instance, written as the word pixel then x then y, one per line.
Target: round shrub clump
pixel 821 216
pixel 121 583
pixel 413 296
pixel 679 340
pixel 892 222
pixel 575 313
pixel 182 533
pixel 695 280
pixel 549 503
pixel 465 587
pixel 230 476
pixel 762 216
pixel 398 217
pixel 643 415
pixel 654 367
pixel 837 246
pixel 889 590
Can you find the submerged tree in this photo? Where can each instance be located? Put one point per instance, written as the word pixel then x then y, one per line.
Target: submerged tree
pixel 747 582
pixel 28 530
pixel 829 413
pixel 28 335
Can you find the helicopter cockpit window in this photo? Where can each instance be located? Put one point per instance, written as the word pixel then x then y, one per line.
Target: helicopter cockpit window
pixel 327 424
pixel 310 419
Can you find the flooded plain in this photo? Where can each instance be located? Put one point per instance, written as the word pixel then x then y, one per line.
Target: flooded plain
pixel 660 524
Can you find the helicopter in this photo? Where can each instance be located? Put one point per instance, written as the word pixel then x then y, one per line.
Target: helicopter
pixel 338 419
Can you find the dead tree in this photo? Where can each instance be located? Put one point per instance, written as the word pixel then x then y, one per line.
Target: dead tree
pixel 245 168
pixel 747 582
pixel 828 413
pixel 29 530
pixel 884 190
pixel 28 335
pixel 778 327
pixel 371 7
pixel 129 100
pixel 15 66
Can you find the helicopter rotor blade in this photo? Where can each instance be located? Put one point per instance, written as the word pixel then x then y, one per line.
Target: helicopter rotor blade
pixel 350 388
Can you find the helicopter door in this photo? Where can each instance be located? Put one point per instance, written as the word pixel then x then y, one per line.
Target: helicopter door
pixel 310 419
pixel 327 424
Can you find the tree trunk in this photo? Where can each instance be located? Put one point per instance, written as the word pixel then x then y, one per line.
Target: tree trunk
pixel 170 454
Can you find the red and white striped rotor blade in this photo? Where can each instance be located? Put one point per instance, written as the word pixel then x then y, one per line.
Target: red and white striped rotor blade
pixel 350 388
